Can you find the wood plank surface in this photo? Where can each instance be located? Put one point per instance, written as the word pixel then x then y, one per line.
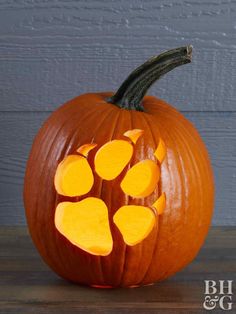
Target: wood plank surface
pixel 18 129
pixel 51 51
pixel 27 285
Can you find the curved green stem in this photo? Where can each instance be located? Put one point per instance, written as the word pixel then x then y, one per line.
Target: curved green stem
pixel 133 89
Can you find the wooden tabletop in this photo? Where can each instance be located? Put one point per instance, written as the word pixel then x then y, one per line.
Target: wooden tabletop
pixel 27 285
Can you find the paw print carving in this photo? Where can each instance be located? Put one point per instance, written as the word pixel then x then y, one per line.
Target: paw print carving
pixel 85 223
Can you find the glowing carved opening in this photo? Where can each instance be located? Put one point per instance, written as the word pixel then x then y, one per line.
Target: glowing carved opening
pixel 85 149
pixel 160 204
pixel 86 225
pixel 141 179
pixel 134 222
pixel 134 135
pixel 160 152
pixel 74 176
pixel 112 158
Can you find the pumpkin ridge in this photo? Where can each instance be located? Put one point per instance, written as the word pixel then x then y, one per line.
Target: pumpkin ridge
pixel 195 166
pixel 40 178
pixel 64 152
pixel 196 173
pixel 195 169
pixel 159 125
pixel 127 198
pixel 179 147
pixel 178 160
pixel 100 193
pixel 99 258
pixel 141 124
pixel 146 119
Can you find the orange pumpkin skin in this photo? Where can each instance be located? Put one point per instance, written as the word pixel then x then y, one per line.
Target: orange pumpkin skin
pixel 186 178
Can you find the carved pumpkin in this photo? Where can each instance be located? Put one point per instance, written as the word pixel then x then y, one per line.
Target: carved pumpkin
pixel 118 187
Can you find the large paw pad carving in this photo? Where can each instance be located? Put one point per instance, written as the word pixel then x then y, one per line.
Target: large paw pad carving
pixel 85 223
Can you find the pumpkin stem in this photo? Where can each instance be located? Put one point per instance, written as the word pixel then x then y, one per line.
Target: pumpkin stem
pixel 133 89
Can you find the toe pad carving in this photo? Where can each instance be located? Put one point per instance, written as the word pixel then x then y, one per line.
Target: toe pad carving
pixel 86 225
pixel 134 222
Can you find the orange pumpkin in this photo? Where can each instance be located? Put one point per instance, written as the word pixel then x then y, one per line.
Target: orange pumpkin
pixel 119 187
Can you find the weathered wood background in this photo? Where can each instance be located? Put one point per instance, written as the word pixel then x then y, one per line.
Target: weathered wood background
pixel 52 50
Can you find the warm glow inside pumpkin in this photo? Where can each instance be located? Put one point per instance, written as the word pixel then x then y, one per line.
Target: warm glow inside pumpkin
pixel 160 204
pixel 112 158
pixel 74 176
pixel 134 222
pixel 141 179
pixel 137 208
pixel 86 223
pixel 160 152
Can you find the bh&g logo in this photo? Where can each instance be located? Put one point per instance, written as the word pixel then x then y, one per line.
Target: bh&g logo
pixel 220 294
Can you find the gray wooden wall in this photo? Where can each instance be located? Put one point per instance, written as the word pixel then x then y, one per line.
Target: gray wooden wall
pixel 51 51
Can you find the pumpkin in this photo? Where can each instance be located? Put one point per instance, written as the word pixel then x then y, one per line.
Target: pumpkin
pixel 119 187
